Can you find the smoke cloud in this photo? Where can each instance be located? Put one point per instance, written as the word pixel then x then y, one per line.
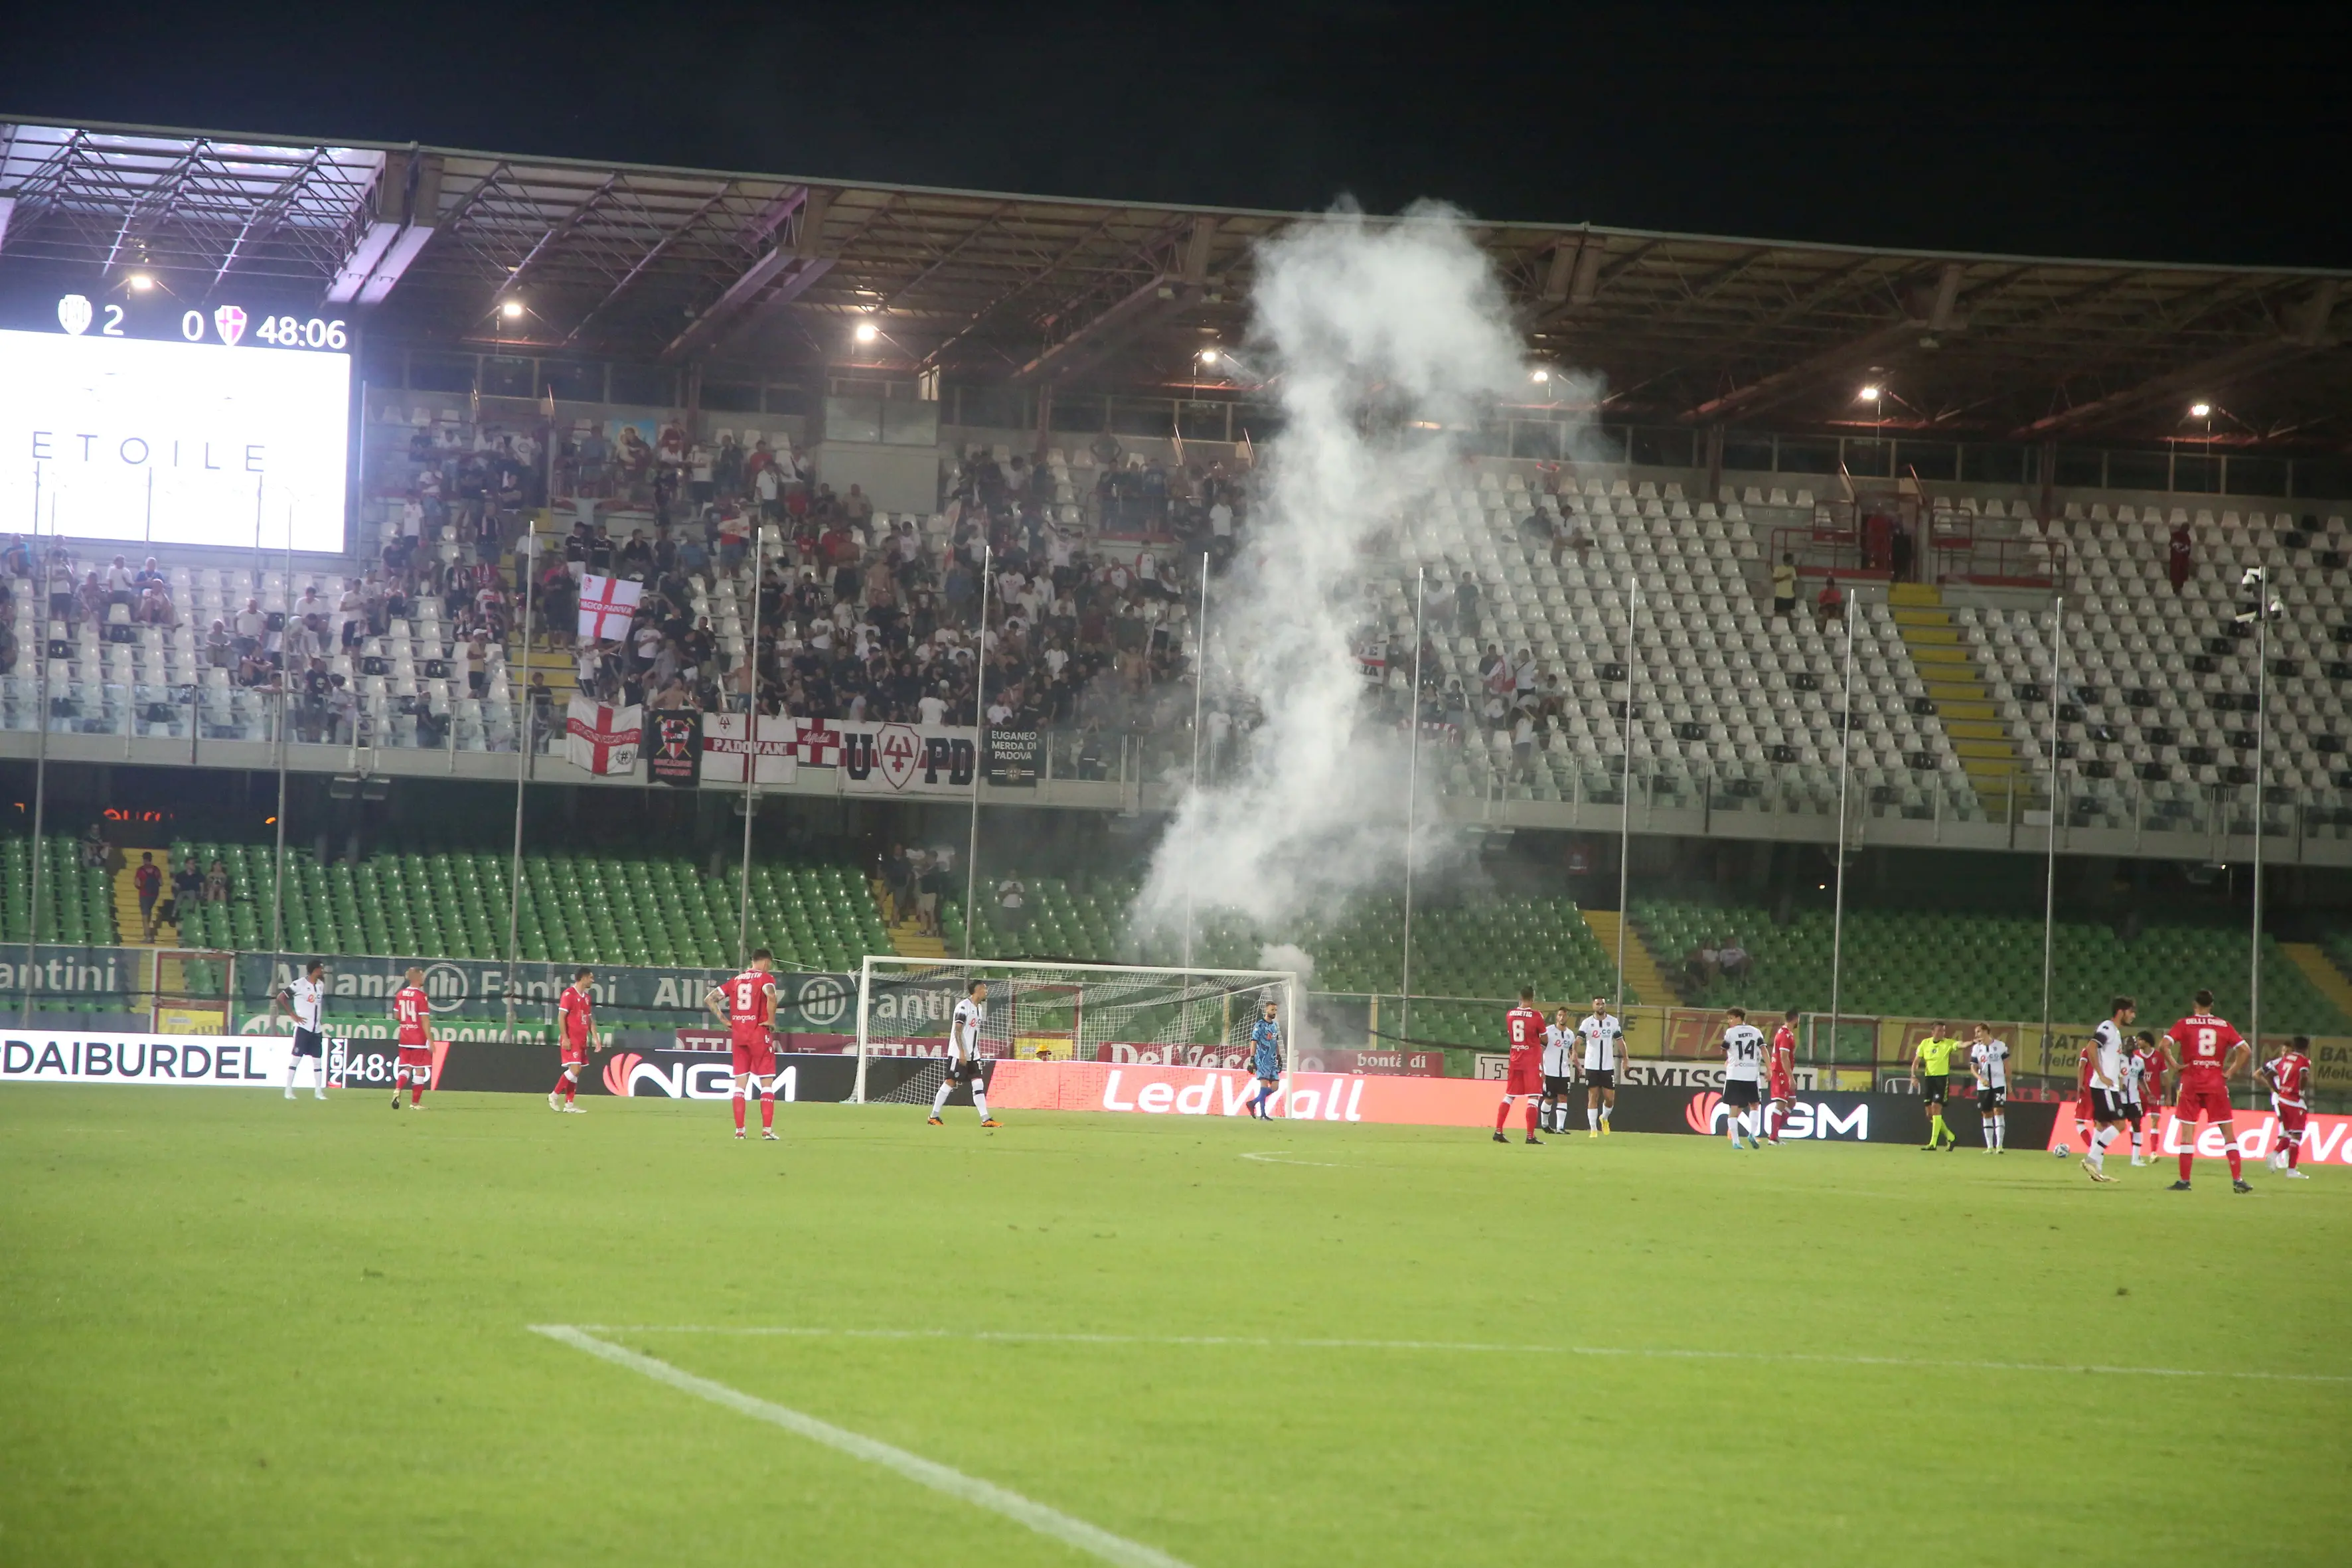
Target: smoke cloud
pixel 1384 341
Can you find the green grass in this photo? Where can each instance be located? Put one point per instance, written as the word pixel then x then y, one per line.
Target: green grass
pixel 234 1330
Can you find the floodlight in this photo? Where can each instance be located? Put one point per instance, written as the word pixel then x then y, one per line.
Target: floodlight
pixel 511 310
pixel 1540 375
pixel 1208 356
pixel 1871 393
pixel 865 332
pixel 2201 410
pixel 142 282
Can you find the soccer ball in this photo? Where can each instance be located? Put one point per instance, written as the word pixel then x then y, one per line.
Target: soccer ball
pixel 2061 1150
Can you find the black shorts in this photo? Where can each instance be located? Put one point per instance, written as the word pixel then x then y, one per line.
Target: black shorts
pixel 1739 1092
pixel 1558 1088
pixel 2129 1110
pixel 1601 1078
pixel 1990 1096
pixel 309 1043
pixel 964 1072
pixel 2105 1106
pixel 1934 1085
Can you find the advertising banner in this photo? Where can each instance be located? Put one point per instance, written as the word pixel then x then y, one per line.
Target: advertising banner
pixel 741 746
pixel 2325 1138
pixel 1153 1089
pixel 1405 1063
pixel 1013 757
pixel 672 746
pixel 211 1060
pixel 601 738
pixel 906 761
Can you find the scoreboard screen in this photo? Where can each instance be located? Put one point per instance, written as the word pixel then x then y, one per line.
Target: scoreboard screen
pixel 147 420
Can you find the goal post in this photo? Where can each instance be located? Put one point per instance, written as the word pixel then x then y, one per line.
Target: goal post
pixel 1066 1012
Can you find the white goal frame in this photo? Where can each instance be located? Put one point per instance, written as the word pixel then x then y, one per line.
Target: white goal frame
pixel 1292 1004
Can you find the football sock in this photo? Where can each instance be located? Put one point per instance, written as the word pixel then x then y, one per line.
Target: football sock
pixel 563 1081
pixel 2000 1131
pixel 980 1100
pixel 1605 1110
pixel 1502 1113
pixel 739 1110
pixel 2185 1157
pixel 767 1110
pixel 940 1100
pixel 1532 1118
pixel 1936 1130
pixel 2099 1141
pixel 2134 1142
pixel 571 1085
pixel 2237 1163
pixel 1591 1119
pixel 2293 1149
pixel 415 1090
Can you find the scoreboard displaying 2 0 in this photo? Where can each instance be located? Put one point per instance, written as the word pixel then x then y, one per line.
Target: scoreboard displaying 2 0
pixel 146 419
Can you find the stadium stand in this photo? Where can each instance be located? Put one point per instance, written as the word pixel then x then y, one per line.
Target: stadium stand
pixel 1987 966
pixel 76 900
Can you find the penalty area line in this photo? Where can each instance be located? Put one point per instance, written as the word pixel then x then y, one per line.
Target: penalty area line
pixel 942 1479
pixel 1277 1158
pixel 1468 1347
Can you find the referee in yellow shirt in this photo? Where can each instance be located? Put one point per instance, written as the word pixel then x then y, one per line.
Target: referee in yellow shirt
pixel 1931 1074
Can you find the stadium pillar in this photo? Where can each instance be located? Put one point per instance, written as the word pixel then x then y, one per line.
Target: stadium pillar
pixel 1714 461
pixel 523 741
pixel 40 748
pixel 2264 608
pixel 285 698
pixel 751 740
pixel 980 728
pixel 1411 801
pixel 1625 791
pixel 1200 665
pixel 1837 900
pixel 2050 835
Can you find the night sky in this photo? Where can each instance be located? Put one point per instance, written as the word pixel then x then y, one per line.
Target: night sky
pixel 2168 133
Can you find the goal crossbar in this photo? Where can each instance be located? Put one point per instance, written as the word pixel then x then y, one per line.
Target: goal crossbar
pixel 904 999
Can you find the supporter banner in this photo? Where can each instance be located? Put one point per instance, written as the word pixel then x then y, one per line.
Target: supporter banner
pixel 2325 1138
pixel 672 746
pixel 601 738
pixel 732 748
pixel 1013 758
pixel 608 605
pixel 1151 1089
pixel 906 759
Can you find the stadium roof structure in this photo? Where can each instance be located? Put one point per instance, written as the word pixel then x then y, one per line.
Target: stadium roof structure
pixel 679 265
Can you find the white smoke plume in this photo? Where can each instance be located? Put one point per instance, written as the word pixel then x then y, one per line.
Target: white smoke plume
pixel 1384 341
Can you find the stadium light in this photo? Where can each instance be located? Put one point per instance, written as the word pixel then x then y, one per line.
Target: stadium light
pixel 2201 411
pixel 1872 393
pixel 140 282
pixel 1540 375
pixel 865 332
pixel 1208 356
pixel 511 310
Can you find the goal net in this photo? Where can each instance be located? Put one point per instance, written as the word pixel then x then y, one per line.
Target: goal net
pixel 1064 1012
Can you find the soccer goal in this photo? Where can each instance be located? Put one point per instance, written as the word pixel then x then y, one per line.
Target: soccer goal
pixel 1064 1012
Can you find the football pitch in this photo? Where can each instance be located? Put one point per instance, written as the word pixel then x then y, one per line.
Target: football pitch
pixel 236 1329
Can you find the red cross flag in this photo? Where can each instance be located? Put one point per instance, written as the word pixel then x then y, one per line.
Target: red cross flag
pixel 608 605
pixel 817 743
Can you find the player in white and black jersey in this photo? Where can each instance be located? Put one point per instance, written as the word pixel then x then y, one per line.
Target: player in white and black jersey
pixel 1559 1070
pixel 305 1001
pixel 1743 1073
pixel 963 1054
pixel 1989 1064
pixel 2103 1076
pixel 1603 1039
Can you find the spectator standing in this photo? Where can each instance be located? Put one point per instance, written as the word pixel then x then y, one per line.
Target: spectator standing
pixel 2177 558
pixel 1784 587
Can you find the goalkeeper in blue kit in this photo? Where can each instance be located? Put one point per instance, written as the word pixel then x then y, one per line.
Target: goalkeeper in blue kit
pixel 1265 1060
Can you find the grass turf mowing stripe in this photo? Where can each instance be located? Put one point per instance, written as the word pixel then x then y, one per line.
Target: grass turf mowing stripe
pixel 1247 1341
pixel 939 1477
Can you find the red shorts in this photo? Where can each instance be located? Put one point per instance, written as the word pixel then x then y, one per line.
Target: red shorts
pixel 2291 1121
pixel 574 1054
pixel 416 1056
pixel 754 1050
pixel 1527 1078
pixel 1782 1089
pixel 2209 1100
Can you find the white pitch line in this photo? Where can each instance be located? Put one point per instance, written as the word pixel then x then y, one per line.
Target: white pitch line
pixel 1243 1342
pixel 939 1477
pixel 1281 1159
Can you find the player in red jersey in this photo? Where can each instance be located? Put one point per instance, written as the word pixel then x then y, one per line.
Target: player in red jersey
pixel 2210 1055
pixel 411 1015
pixel 1780 1075
pixel 1523 1027
pixel 747 1006
pixel 576 1036
pixel 2287 1076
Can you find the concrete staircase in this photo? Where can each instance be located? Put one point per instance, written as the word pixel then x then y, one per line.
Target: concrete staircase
pixel 1643 976
pixel 1963 698
pixel 907 937
pixel 2321 970
pixel 129 931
